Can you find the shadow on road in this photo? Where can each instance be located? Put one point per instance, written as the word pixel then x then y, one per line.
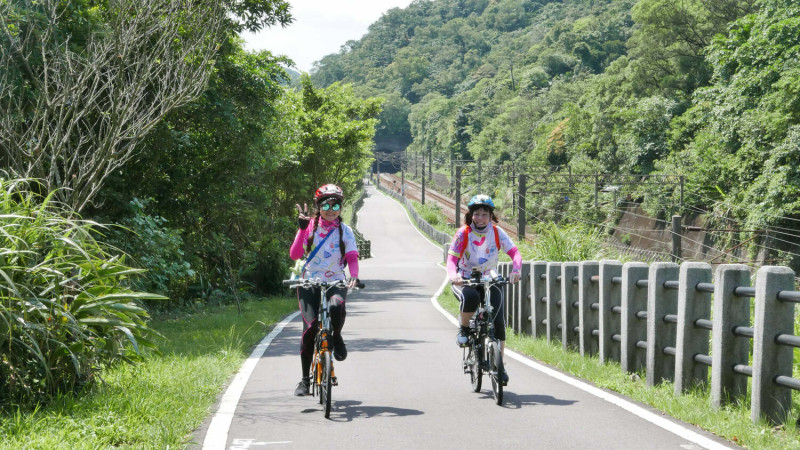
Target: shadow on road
pixel 387 290
pixel 349 410
pixel 371 345
pixel 512 400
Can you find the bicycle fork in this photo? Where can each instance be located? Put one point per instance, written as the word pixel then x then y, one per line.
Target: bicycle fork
pixel 324 348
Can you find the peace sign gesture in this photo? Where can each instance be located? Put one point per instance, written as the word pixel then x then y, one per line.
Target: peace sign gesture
pixel 302 216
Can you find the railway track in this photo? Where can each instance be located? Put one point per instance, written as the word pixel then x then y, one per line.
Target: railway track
pixel 413 190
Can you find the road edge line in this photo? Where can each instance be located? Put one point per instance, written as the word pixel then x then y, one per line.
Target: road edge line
pixel 217 433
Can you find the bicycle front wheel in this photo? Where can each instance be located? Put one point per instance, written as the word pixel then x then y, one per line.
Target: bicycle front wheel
pixel 496 371
pixel 473 363
pixel 317 368
pixel 327 383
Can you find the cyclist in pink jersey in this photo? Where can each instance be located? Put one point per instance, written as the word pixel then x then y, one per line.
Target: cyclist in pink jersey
pixel 337 249
pixel 477 247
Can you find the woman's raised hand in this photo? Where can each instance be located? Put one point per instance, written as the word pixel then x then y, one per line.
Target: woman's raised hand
pixel 302 216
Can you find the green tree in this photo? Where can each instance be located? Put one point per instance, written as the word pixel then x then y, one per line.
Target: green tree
pixel 221 173
pixel 669 44
pixel 337 131
pixel 72 112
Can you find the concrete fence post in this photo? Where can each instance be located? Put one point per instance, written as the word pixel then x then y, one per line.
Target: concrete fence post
pixel 553 315
pixel 513 292
pixel 445 251
pixel 770 359
pixel 660 333
pixel 692 340
pixel 610 296
pixel 538 292
pixel 507 297
pixel 726 349
pixel 589 319
pixel 570 316
pixel 634 299
pixel 523 321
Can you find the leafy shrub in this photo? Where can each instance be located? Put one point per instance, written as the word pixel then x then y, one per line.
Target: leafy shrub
pixel 65 308
pixel 157 247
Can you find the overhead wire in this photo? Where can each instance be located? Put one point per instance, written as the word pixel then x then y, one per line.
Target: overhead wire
pixel 633 231
pixel 756 244
pixel 772 232
pixel 499 171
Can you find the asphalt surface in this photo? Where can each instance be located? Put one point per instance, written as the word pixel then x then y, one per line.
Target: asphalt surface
pixel 402 385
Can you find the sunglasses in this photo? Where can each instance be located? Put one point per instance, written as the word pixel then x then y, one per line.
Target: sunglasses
pixel 327 206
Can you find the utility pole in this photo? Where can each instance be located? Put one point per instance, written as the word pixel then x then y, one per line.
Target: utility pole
pixel 403 175
pixel 430 164
pixel 480 184
pixel 458 196
pixel 676 238
pixel 521 212
pixel 378 167
pixel 423 182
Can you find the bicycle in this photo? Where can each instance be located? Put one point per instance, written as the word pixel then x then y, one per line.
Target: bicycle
pixel 322 373
pixel 483 353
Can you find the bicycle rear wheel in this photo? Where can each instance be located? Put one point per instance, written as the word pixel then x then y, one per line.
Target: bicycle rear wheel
pixel 327 383
pixel 496 371
pixel 473 362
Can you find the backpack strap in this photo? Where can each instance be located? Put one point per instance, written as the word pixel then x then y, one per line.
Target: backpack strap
pixel 496 238
pixel 464 241
pixel 314 251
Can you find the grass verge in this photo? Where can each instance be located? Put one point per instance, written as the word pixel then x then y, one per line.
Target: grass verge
pixel 732 422
pixel 155 404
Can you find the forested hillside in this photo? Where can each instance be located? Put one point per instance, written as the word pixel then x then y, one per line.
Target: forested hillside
pixel 705 89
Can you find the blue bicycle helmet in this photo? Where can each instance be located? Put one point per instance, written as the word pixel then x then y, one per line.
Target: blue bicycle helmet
pixel 480 200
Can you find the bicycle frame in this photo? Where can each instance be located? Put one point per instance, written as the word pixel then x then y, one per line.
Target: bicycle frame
pixel 484 316
pixel 482 340
pixel 322 369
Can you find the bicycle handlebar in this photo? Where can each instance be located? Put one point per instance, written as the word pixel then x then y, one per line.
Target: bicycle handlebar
pixel 499 280
pixel 307 282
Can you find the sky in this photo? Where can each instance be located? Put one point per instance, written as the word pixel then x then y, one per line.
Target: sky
pixel 320 28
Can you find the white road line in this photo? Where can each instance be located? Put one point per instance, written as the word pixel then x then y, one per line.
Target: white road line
pixel 217 433
pixel 636 410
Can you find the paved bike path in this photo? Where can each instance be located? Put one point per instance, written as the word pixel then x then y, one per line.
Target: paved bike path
pixel 402 385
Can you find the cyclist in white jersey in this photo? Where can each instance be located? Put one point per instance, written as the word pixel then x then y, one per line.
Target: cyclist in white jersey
pixel 337 249
pixel 477 247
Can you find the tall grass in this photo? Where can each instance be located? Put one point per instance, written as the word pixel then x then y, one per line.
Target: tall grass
pixel 158 403
pixel 565 243
pixel 65 308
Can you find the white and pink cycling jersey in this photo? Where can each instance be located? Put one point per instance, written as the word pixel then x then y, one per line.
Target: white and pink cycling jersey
pixel 481 252
pixel 327 264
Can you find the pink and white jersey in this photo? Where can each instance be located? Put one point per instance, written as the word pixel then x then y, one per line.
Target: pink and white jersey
pixel 481 251
pixel 328 264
